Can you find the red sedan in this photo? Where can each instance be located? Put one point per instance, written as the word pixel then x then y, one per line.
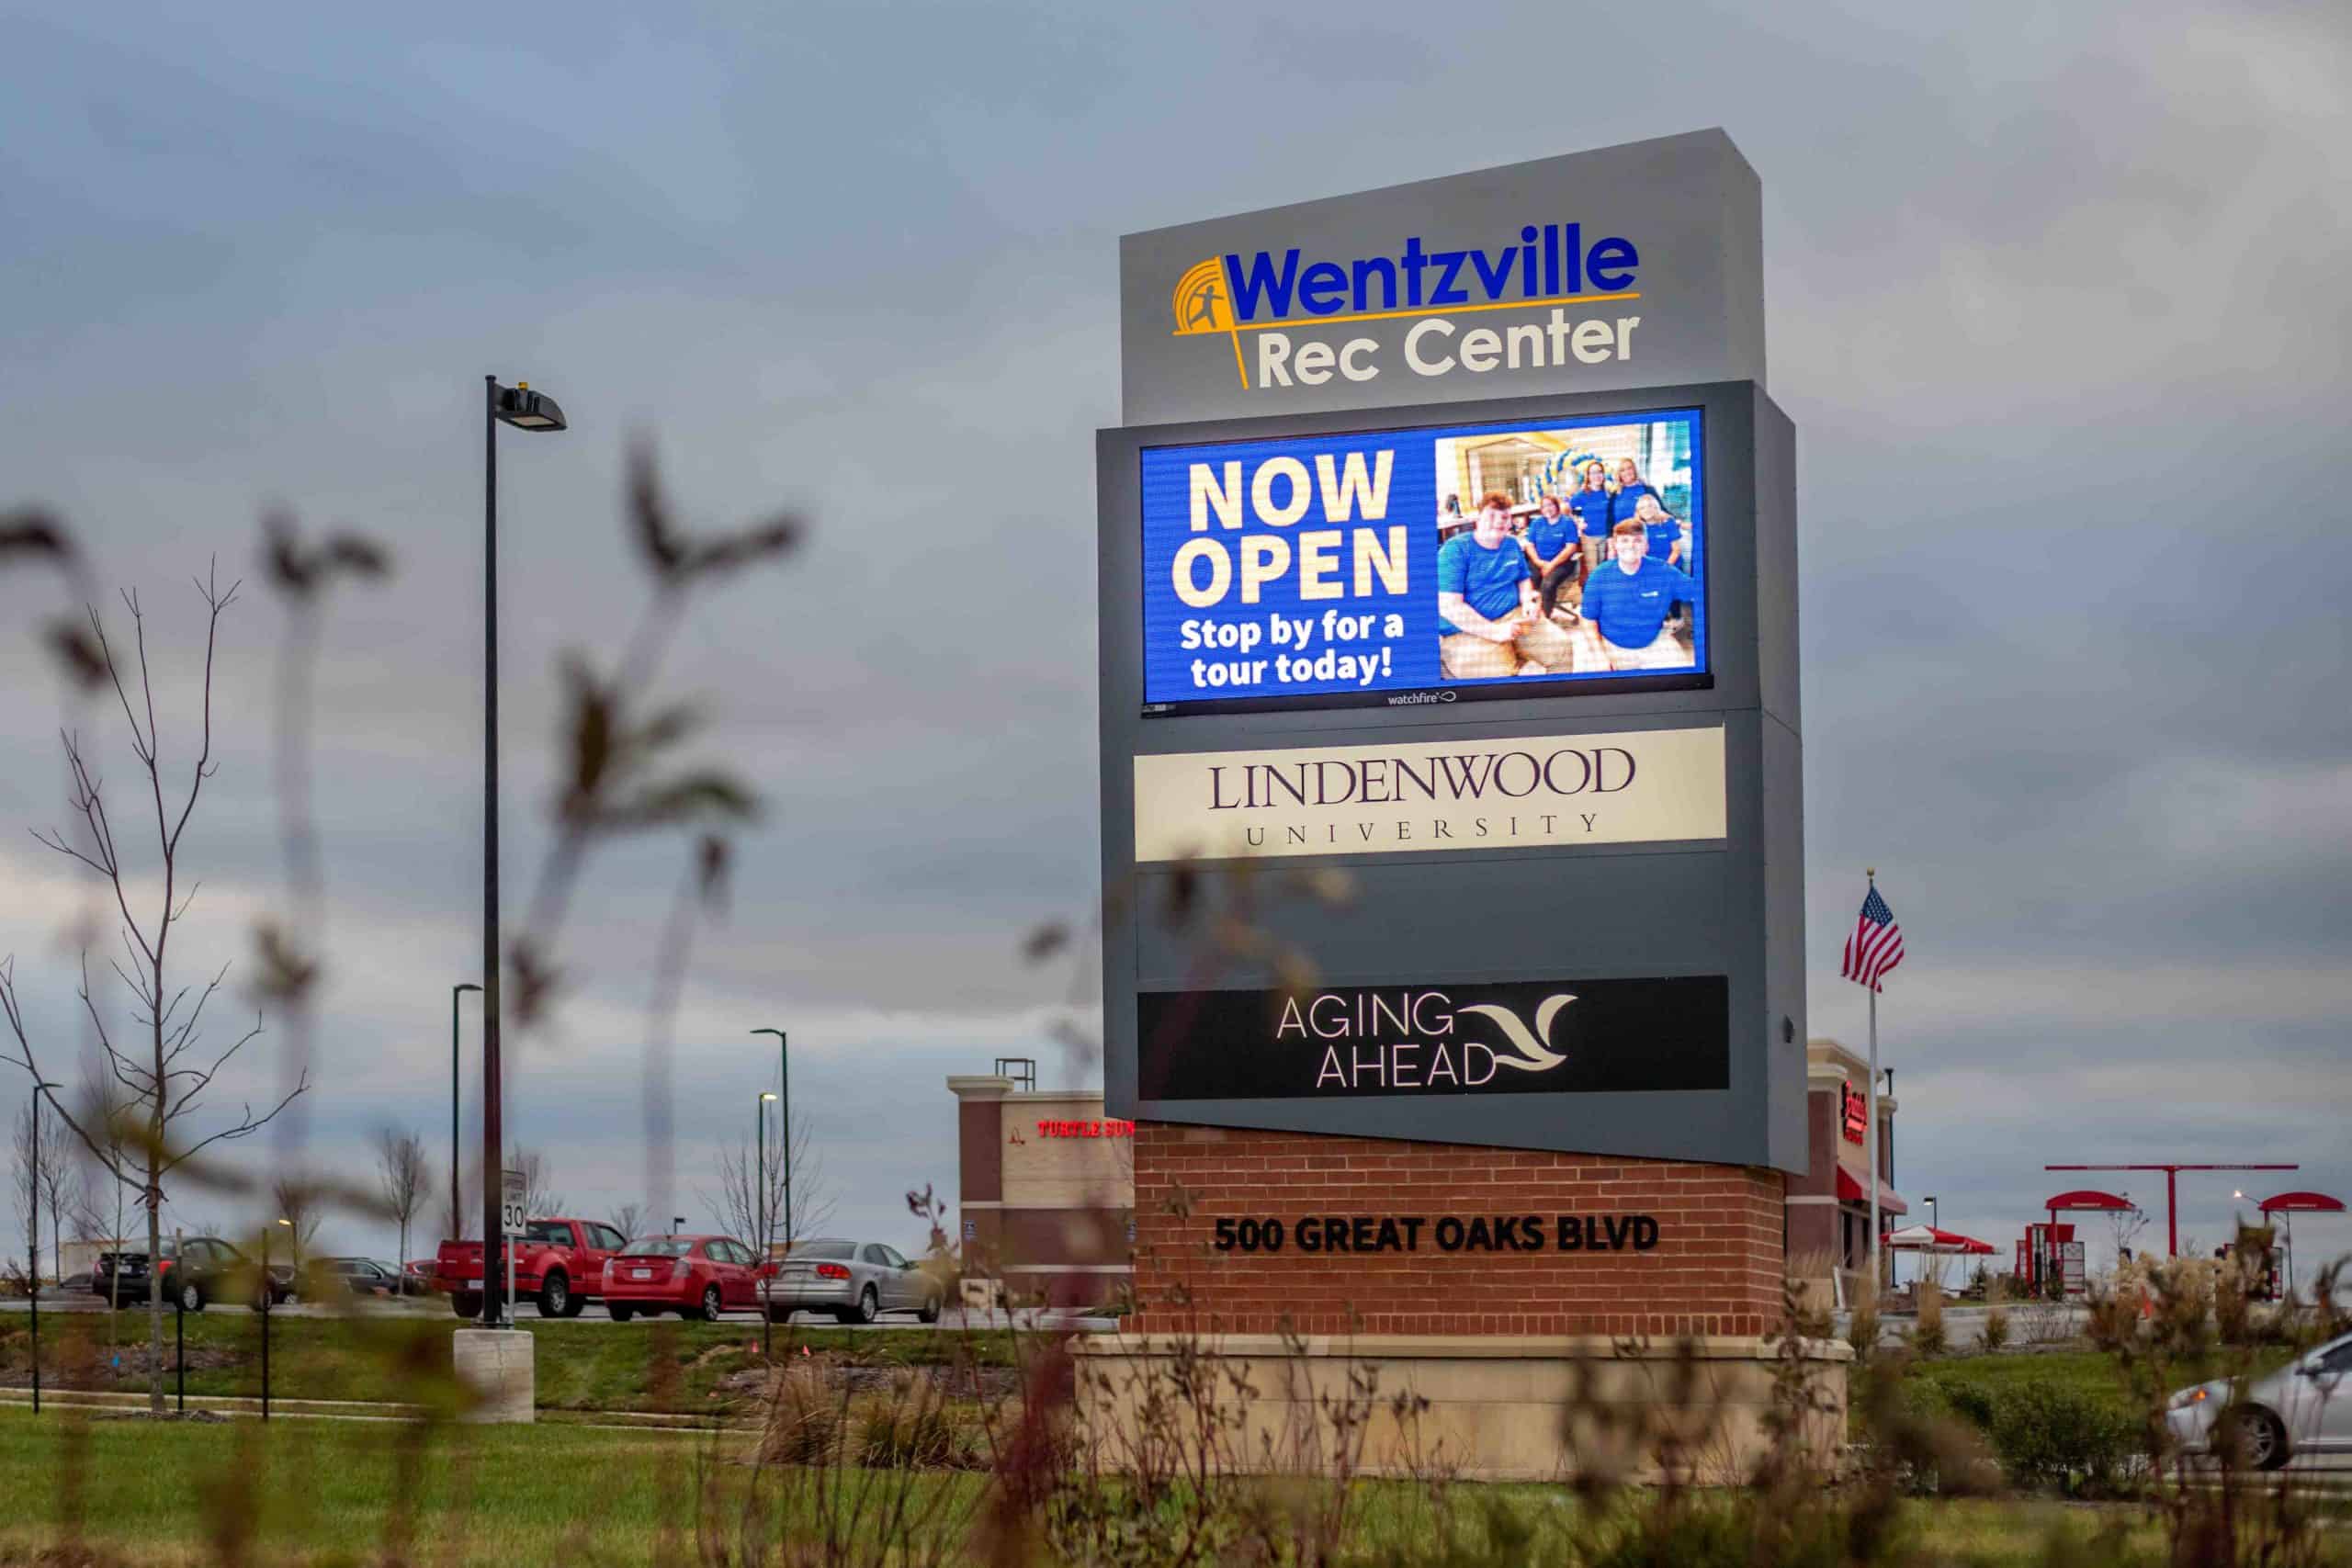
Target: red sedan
pixel 694 1276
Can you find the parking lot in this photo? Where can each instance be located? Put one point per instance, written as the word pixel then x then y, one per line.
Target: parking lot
pixel 953 1320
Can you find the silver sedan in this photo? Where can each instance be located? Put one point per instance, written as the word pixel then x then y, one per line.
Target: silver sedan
pixel 856 1281
pixel 2303 1407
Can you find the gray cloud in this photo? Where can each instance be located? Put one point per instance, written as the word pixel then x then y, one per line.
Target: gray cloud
pixel 2054 308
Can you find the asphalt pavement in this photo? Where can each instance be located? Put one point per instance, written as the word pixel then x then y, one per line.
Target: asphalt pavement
pixel 953 1320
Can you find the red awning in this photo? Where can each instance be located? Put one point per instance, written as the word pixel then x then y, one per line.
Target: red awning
pixel 2302 1203
pixel 1850 1191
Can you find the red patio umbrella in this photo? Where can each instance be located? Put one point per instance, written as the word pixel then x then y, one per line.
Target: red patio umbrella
pixel 1928 1238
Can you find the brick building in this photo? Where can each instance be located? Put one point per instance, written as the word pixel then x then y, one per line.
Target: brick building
pixel 1829 1205
pixel 1049 1206
pixel 1047 1188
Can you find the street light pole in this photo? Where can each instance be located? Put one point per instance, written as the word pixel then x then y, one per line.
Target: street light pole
pixel 524 410
pixel 457 1201
pixel 760 1136
pixel 268 1291
pixel 784 1124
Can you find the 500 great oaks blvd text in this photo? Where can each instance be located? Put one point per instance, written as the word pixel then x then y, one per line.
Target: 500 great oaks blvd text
pixel 1451 1233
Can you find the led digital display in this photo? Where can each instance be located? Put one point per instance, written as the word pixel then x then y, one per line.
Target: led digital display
pixel 1429 565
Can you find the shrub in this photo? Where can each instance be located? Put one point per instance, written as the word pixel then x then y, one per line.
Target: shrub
pixel 1861 1327
pixel 2111 1318
pixel 1972 1401
pixel 1996 1330
pixel 804 1423
pixel 1928 1335
pixel 2059 1439
pixel 907 1436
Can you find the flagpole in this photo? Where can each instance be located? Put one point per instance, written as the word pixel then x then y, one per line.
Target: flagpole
pixel 1870 1153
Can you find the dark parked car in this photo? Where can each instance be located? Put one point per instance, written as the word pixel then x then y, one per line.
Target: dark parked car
pixel 196 1270
pixel 333 1278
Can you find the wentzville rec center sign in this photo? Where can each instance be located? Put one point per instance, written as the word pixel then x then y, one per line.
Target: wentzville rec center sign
pixel 1448 551
pixel 1635 266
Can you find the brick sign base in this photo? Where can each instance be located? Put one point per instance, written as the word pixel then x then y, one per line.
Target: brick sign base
pixel 1712 1265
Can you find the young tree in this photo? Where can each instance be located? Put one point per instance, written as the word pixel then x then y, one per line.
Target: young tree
pixel 627 1219
pixel 302 1206
pixel 52 1179
pixel 746 1194
pixel 466 1217
pixel 539 1196
pixel 401 1177
pixel 165 1070
pixel 24 1193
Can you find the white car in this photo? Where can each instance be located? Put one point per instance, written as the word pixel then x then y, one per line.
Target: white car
pixel 2303 1407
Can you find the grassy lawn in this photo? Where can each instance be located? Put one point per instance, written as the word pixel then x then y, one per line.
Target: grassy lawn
pixel 581 1366
pixel 321 1491
pixel 317 1491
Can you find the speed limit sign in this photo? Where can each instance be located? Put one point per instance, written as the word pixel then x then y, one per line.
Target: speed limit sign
pixel 510 1205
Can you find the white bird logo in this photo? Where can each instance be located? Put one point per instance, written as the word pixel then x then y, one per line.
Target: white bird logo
pixel 1535 1056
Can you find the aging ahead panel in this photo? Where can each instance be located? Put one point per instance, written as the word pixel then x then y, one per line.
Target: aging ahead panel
pixel 1470 1037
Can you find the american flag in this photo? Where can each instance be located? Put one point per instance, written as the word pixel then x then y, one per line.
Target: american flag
pixel 1876 945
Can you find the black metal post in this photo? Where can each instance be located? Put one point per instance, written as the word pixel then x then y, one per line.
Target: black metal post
pixel 267 1292
pixel 783 1125
pixel 32 1280
pixel 784 1128
pixel 760 1203
pixel 493 1294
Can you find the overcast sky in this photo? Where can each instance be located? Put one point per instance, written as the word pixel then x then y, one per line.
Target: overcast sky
pixel 2056 305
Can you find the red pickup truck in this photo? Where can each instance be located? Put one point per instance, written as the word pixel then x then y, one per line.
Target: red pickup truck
pixel 558 1263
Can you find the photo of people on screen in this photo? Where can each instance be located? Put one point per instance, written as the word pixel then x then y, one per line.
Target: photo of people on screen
pixel 1581 559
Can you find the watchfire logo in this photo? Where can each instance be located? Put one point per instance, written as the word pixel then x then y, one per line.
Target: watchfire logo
pixel 1261 297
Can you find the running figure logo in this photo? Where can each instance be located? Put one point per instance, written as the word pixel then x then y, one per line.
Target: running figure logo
pixel 1201 303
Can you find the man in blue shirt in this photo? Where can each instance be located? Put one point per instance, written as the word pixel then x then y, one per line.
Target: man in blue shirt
pixel 1550 545
pixel 1487 623
pixel 1626 604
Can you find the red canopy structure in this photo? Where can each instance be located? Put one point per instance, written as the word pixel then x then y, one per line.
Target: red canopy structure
pixel 2301 1203
pixel 2172 1175
pixel 2087 1198
pixel 2293 1203
pixel 1928 1238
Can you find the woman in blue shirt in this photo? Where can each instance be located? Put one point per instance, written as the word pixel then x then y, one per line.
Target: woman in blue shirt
pixel 1663 532
pixel 1629 492
pixel 1589 504
pixel 1550 543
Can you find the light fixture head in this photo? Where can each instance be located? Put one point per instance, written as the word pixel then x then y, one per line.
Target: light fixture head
pixel 526 409
pixel 765 1096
